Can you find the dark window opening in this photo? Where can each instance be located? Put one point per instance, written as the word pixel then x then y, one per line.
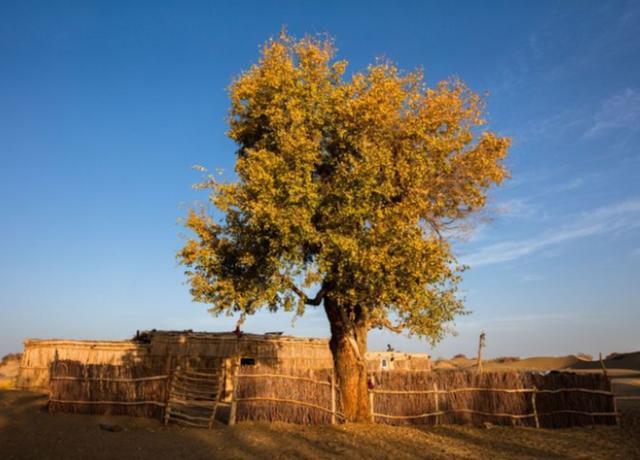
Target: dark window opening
pixel 247 361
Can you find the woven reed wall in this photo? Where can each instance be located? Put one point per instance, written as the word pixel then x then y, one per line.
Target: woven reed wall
pixel 273 351
pixel 262 394
pixel 39 354
pixel 310 397
pixel 131 389
pixel 193 350
pixel 477 406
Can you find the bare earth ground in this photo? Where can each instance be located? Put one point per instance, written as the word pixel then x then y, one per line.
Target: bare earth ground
pixel 28 431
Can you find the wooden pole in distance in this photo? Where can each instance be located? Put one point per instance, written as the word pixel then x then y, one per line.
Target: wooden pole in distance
pixel 480 347
pixel 604 368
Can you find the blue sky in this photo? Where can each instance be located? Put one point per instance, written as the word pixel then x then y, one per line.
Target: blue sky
pixel 106 106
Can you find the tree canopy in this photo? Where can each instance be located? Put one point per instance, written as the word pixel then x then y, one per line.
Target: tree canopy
pixel 346 185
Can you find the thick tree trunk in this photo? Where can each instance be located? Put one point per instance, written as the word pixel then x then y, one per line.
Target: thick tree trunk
pixel 348 345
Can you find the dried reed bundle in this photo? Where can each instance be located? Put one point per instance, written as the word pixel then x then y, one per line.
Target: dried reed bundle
pixel 470 398
pixel 106 389
pixel 262 391
pixel 550 405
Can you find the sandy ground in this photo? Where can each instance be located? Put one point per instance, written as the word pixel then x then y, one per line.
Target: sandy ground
pixel 27 431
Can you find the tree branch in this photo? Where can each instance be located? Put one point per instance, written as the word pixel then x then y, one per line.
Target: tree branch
pixel 397 328
pixel 315 301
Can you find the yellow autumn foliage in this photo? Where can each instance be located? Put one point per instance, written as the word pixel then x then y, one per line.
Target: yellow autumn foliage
pixel 346 183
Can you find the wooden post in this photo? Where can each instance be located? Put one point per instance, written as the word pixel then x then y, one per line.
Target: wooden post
pixel 167 406
pixel 604 368
pixel 52 366
pixel 372 411
pixel 480 347
pixel 615 409
pixel 167 364
pixel 437 399
pixel 606 376
pixel 535 407
pixel 217 401
pixel 232 412
pixel 333 399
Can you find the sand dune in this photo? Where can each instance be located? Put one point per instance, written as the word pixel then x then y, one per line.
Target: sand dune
pixel 537 363
pixel 630 361
pixel 619 365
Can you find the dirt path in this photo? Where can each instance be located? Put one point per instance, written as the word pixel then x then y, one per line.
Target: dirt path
pixel 27 431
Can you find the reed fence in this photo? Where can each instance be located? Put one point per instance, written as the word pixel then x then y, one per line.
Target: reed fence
pixel 287 395
pixel 106 389
pixel 312 396
pixel 503 398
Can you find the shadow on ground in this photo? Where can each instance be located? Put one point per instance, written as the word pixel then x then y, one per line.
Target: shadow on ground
pixel 28 431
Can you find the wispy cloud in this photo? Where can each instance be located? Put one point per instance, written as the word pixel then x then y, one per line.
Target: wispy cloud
pixel 517 207
pixel 532 277
pixel 528 206
pixel 550 126
pixel 515 322
pixel 617 218
pixel 620 111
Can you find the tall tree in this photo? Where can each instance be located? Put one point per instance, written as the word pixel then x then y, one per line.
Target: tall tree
pixel 346 185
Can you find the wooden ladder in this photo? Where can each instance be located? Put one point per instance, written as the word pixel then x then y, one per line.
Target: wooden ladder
pixel 194 398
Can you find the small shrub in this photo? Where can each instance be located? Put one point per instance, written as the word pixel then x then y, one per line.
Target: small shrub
pixel 460 356
pixel 507 359
pixel 10 357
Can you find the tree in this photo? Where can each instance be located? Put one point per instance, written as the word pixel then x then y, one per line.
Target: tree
pixel 346 186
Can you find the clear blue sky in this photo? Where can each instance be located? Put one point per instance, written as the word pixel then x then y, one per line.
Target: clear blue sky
pixel 104 108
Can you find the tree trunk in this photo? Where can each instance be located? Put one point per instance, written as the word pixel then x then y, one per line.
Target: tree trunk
pixel 348 346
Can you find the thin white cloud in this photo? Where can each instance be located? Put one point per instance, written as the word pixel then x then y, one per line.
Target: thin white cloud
pixel 532 277
pixel 620 111
pixel 514 322
pixel 517 207
pixel 613 219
